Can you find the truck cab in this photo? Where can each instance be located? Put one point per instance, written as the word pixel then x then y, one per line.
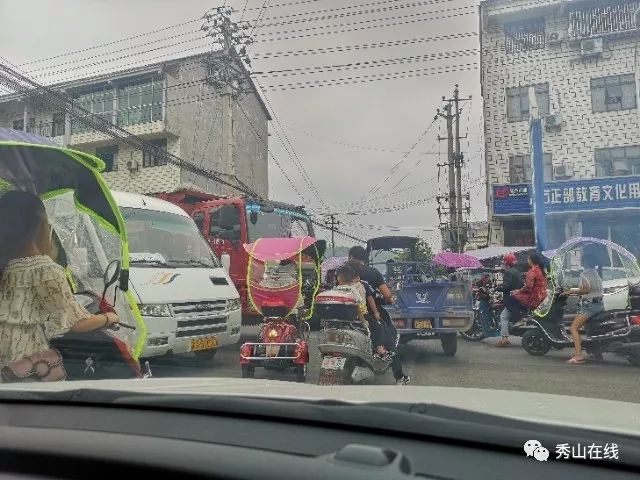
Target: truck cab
pixel 185 296
pixel 228 223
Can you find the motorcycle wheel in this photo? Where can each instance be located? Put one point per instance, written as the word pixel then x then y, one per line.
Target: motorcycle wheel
pixel 248 371
pixel 301 373
pixel 474 334
pixel 449 344
pixel 535 342
pixel 634 359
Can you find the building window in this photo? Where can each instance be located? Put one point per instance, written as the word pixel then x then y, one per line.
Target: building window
pixel 518 233
pixel 602 20
pixel 140 102
pixel 150 160
pixel 524 35
pixel 615 162
pixel 109 156
pixel 520 168
pixel 518 102
pixel 98 103
pixel 57 125
pixel 18 124
pixel 613 93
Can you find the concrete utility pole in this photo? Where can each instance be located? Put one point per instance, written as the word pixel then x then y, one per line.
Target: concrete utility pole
pixel 334 224
pixel 456 227
pixel 225 72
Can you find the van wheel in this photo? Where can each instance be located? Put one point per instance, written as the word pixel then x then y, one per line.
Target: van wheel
pixel 449 344
pixel 206 355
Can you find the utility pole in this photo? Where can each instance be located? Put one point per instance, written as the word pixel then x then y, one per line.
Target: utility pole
pixel 456 228
pixel 334 224
pixel 224 71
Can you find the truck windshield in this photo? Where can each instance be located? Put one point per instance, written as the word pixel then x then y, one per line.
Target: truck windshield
pixel 161 238
pixel 276 225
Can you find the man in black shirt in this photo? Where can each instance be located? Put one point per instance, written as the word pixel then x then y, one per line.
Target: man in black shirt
pixel 370 275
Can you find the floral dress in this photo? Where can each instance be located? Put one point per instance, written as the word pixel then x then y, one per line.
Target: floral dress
pixel 36 303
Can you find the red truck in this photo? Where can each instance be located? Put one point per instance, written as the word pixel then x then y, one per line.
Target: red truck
pixel 229 222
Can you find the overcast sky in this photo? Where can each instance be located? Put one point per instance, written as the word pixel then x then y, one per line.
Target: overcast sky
pixel 379 120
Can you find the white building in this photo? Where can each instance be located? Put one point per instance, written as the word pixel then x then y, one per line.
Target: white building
pixel 580 56
pixel 168 104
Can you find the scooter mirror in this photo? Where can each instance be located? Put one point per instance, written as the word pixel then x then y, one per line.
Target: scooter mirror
pixel 225 259
pixel 111 273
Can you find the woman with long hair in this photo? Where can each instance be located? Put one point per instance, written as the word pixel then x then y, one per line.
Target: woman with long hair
pixel 591 293
pixel 36 301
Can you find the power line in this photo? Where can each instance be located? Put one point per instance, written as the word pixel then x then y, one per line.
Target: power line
pixel 363 64
pixel 373 20
pixel 66 54
pixel 363 46
pixel 292 152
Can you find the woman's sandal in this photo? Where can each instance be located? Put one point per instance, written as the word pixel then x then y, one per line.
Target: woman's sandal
pixel 503 343
pixel 576 360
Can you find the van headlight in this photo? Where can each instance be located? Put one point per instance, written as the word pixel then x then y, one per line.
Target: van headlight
pixel 233 304
pixel 155 310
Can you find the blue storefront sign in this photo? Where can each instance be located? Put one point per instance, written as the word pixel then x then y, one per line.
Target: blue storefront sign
pixel 570 196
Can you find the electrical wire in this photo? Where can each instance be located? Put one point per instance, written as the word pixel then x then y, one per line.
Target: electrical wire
pixel 363 46
pixel 102 45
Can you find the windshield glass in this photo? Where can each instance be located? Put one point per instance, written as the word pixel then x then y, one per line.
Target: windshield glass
pixel 158 238
pixel 277 224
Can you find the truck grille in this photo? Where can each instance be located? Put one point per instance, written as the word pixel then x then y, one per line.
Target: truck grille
pixel 200 318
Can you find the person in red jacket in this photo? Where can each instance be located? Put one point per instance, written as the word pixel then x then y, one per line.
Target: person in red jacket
pixel 535 285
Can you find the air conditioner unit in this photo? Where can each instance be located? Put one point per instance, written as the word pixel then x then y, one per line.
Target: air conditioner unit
pixel 563 172
pixel 620 167
pixel 133 166
pixel 554 39
pixel 591 47
pixel 553 122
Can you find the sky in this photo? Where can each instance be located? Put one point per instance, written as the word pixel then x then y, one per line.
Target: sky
pixel 347 137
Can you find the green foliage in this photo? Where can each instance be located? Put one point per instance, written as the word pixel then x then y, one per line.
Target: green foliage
pixel 423 253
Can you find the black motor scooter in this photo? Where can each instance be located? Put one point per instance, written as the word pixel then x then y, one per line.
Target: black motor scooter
pixel 98 354
pixel 612 331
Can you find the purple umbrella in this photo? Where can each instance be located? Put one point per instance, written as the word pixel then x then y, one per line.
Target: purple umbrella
pixel 332 263
pixel 456 260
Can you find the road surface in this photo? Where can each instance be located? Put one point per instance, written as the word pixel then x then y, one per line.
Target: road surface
pixel 478 365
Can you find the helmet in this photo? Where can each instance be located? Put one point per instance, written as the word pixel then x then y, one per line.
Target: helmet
pixel 509 260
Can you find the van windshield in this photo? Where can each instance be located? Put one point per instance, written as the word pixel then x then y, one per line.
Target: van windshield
pixel 165 239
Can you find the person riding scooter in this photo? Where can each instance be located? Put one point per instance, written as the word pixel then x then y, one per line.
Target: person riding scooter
pixel 36 301
pixel 591 293
pixel 534 291
pixel 511 281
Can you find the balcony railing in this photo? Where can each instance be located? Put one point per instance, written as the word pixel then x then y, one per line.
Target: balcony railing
pixel 47 129
pixel 603 20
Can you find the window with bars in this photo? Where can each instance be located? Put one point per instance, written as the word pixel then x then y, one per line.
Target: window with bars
pixel 520 168
pixel 18 124
pixel 613 93
pixel 524 35
pixel 602 20
pixel 617 161
pixel 109 156
pixel 150 160
pixel 518 102
pixel 140 102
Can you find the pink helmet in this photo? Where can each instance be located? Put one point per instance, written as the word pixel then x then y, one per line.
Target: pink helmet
pixel 509 259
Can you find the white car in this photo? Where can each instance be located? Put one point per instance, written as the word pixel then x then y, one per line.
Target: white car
pixel 615 284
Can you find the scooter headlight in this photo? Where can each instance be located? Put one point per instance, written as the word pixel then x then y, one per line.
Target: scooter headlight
pixel 155 310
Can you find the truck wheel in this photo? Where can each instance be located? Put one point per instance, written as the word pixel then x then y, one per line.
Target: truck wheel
pixel 535 342
pixel 206 355
pixel 449 342
pixel 301 373
pixel 248 371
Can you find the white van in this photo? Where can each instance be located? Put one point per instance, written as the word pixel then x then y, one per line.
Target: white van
pixel 185 296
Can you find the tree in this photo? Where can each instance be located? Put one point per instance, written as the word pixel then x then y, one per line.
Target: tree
pixel 423 253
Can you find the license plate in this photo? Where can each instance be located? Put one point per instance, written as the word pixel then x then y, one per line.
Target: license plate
pixel 207 343
pixel 333 363
pixel 422 324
